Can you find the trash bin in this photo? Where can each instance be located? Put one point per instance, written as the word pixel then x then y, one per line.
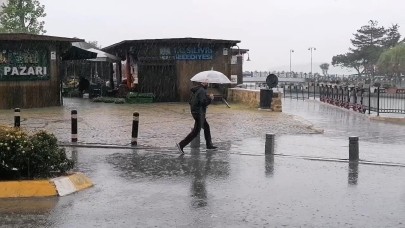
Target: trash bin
pixel 266 95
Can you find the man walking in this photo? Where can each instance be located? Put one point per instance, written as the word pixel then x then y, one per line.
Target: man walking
pixel 198 105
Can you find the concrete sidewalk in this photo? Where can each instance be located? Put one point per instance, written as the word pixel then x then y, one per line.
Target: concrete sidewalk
pixel 307 184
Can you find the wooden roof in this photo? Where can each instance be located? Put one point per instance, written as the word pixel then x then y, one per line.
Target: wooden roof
pixel 187 40
pixel 33 37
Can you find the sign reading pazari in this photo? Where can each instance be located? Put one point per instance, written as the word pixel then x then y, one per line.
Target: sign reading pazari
pixel 24 65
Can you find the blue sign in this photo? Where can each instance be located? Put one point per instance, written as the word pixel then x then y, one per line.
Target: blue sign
pixel 190 53
pixel 193 53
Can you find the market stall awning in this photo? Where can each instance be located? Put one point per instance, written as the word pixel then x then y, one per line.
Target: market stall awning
pixel 76 53
pixel 103 56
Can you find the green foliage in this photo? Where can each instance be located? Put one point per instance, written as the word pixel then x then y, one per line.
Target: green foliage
pixel 22 16
pixel 119 101
pixel 369 42
pixel 133 98
pixel 94 44
pixel 369 35
pixel 109 100
pixel 392 37
pixel 324 67
pixel 349 60
pixel 24 156
pixel 392 61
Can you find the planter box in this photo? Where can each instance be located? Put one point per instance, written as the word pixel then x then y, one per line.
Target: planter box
pixel 139 98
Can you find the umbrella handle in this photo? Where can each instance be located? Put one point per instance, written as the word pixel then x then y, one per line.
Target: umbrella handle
pixel 226 103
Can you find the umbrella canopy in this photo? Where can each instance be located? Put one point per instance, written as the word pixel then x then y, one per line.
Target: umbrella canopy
pixel 211 76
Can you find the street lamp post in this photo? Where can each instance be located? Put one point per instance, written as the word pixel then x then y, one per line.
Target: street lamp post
pixel 291 51
pixel 310 49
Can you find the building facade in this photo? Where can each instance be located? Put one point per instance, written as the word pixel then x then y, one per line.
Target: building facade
pixel 165 66
pixel 29 70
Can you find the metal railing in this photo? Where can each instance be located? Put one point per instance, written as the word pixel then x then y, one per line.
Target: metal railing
pixel 371 99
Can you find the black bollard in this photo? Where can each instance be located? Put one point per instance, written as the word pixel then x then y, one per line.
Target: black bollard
pixel 269 146
pixel 135 125
pixel 17 117
pixel 74 125
pixel 353 148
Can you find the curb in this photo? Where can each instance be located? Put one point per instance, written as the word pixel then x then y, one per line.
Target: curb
pixel 397 120
pixel 59 186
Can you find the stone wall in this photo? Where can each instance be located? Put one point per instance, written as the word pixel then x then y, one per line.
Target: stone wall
pixel 252 98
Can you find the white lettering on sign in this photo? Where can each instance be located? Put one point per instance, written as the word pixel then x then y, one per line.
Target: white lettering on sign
pixel 31 71
pixel 25 71
pixel 7 70
pixel 15 71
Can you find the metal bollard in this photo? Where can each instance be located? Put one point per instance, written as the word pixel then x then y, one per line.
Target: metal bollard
pixel 353 148
pixel 17 117
pixel 135 126
pixel 74 125
pixel 195 143
pixel 269 146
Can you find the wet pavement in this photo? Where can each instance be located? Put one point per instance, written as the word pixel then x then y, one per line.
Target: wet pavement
pixel 308 183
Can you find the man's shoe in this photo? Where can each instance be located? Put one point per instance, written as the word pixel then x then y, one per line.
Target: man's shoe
pixel 211 147
pixel 179 148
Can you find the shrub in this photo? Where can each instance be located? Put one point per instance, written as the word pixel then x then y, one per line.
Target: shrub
pixel 119 101
pixel 24 156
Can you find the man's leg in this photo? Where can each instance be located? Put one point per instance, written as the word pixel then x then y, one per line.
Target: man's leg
pixel 207 135
pixel 194 132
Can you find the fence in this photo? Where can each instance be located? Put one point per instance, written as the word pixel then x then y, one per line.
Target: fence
pixel 371 99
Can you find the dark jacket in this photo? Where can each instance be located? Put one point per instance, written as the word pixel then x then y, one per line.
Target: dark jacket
pixel 199 100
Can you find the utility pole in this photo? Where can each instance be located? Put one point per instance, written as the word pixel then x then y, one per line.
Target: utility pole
pixel 311 49
pixel 291 51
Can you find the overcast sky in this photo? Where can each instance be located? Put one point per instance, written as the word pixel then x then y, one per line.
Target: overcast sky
pixel 269 28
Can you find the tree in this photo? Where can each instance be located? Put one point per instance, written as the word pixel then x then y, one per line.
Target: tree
pixel 350 60
pixel 324 67
pixel 368 44
pixel 392 62
pixel 94 44
pixel 22 16
pixel 392 37
pixel 369 35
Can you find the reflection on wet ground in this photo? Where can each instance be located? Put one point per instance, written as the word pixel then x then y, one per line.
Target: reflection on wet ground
pixel 236 185
pixel 136 165
pixel 353 173
pixel 28 205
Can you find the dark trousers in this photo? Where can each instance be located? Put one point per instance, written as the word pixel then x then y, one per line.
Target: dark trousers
pixel 199 121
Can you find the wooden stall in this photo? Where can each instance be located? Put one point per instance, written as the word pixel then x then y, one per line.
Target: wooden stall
pixel 29 70
pixel 164 66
